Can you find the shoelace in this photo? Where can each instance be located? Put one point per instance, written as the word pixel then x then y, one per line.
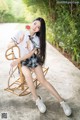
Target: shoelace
pixel 39 101
pixel 65 106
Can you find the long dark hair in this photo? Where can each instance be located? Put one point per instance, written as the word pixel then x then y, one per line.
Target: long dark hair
pixel 42 36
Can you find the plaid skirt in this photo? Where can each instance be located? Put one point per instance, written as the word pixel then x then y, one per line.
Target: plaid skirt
pixel 31 62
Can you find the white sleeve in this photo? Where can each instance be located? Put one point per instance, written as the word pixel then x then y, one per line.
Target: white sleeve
pixel 16 37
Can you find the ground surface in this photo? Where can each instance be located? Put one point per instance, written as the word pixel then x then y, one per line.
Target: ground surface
pixel 62 74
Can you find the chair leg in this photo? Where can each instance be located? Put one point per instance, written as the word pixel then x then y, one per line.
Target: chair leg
pixel 20 87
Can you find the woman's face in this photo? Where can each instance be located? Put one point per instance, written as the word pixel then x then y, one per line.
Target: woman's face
pixel 35 26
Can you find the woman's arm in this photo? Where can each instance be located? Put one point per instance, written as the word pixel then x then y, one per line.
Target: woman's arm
pixel 28 55
pixel 16 61
pixel 16 39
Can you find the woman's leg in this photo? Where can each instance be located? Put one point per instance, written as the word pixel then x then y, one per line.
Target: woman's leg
pixel 28 77
pixel 46 84
pixel 27 73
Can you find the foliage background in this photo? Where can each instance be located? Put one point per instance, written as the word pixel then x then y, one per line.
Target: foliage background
pixel 62 20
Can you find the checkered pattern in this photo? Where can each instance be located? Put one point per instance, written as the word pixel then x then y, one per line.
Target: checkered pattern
pixel 32 62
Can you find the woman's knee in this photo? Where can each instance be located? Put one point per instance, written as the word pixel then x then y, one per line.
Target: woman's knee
pixel 43 81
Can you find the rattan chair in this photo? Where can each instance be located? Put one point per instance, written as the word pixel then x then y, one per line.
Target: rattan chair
pixel 18 84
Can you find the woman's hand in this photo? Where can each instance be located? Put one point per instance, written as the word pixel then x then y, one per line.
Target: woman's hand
pixel 15 62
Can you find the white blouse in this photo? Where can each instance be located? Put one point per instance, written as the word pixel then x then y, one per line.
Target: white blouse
pixel 23 45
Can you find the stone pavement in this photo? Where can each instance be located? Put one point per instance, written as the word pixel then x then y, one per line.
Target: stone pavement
pixel 62 74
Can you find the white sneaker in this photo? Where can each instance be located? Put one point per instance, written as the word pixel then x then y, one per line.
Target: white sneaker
pixel 41 105
pixel 66 108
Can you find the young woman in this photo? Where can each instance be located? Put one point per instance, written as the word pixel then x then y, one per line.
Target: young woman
pixel 32 44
